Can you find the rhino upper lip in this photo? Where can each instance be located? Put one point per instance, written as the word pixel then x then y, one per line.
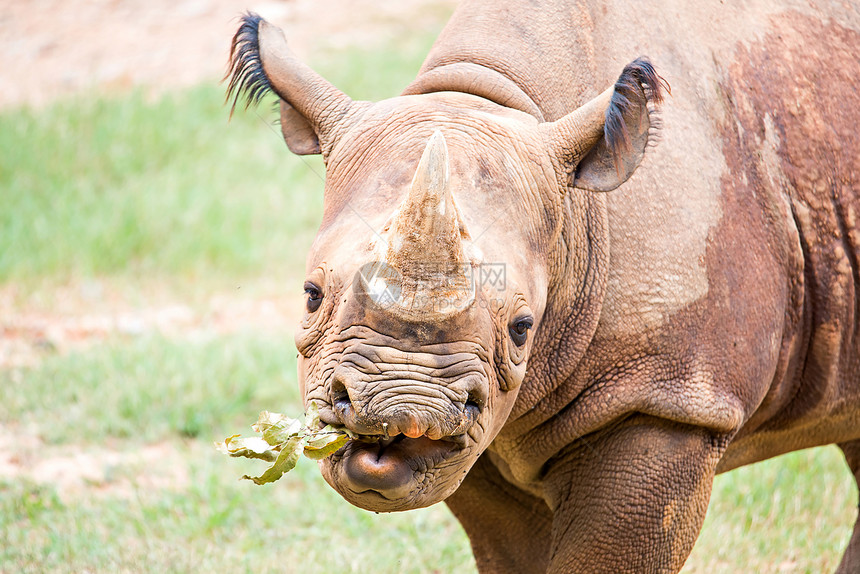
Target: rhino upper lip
pixel 459 440
pixel 384 441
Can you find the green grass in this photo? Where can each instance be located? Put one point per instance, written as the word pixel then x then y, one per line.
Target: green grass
pixel 222 526
pixel 150 190
pixel 150 389
pixel 793 513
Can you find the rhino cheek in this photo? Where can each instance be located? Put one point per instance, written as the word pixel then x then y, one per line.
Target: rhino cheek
pixel 302 375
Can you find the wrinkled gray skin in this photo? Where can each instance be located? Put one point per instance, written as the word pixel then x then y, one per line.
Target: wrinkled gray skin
pixel 700 317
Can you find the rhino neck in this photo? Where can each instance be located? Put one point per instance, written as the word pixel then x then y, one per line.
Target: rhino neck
pixel 478 80
pixel 536 56
pixel 578 273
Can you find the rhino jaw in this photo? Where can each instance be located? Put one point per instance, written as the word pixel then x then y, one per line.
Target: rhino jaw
pixel 391 474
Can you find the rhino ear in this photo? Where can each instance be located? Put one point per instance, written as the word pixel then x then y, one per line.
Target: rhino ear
pixel 602 143
pixel 314 114
pixel 298 132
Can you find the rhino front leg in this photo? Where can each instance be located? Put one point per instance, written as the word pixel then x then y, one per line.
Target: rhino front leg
pixel 631 498
pixel 509 529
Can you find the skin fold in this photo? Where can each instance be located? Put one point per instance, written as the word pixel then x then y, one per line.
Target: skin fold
pixel 560 299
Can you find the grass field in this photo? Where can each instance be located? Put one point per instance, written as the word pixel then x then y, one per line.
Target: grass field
pixel 106 458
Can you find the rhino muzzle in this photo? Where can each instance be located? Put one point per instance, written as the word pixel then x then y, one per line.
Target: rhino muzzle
pixel 406 426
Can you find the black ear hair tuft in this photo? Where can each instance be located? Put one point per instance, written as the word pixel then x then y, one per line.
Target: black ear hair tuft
pixel 245 69
pixel 637 82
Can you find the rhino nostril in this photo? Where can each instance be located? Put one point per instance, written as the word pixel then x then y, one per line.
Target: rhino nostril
pixel 339 395
pixel 474 403
pixel 477 394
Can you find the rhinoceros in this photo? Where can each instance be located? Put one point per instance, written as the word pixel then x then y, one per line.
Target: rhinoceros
pixel 525 305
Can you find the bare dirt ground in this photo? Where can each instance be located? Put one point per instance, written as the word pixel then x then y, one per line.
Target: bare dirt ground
pixel 75 470
pixel 74 319
pixel 51 49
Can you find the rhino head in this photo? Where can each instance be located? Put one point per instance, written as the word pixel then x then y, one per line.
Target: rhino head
pixel 448 220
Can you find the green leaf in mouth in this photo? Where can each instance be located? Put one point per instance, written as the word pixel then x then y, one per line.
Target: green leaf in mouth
pixel 283 439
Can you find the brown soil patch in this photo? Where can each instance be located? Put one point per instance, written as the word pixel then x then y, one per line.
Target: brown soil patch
pixel 74 470
pixel 73 319
pixel 54 48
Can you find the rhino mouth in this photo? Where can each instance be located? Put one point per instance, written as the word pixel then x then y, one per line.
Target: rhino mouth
pixel 388 467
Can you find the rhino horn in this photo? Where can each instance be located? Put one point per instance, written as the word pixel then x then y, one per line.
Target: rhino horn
pixel 426 229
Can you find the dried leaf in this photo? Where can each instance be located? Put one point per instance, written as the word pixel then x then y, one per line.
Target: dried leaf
pixel 283 440
pixel 286 461
pixel 276 428
pixel 312 417
pixel 324 446
pixel 248 447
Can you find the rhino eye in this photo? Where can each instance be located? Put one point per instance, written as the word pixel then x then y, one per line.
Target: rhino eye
pixel 315 296
pixel 519 330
